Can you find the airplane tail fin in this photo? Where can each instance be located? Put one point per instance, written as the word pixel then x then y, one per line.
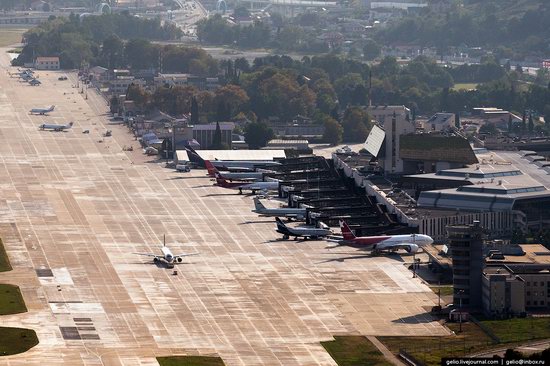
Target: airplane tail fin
pixel 346 231
pixel 212 170
pixel 69 125
pixel 280 224
pixel 259 205
pixel 52 108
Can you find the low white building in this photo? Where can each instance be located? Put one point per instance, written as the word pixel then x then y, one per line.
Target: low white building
pixel 120 85
pixel 47 63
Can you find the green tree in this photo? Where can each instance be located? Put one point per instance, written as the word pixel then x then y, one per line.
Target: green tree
pixel 547 115
pixel 356 123
pixel 217 143
pixel 489 129
pixel 141 54
pixel 333 131
pixel 112 52
pixel 371 50
pixel 195 111
pixel 138 95
pixel 114 104
pixel 257 134
pixel 234 97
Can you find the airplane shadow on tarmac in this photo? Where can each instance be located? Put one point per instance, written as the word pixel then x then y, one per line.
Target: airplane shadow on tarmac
pixel 257 222
pixel 395 257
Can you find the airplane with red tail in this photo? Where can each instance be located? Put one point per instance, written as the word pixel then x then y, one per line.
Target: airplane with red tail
pixel 411 242
pixel 254 186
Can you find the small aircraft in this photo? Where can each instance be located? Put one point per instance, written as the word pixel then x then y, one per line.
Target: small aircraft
pixel 56 128
pixel 26 77
pixel 288 212
pixel 34 82
pixel 167 256
pixel 411 242
pixel 254 186
pixel 305 232
pixel 42 111
pixel 230 176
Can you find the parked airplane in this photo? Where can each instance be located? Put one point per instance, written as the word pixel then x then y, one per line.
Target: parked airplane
pixel 42 111
pixel 57 128
pixel 411 242
pixel 297 213
pixel 305 232
pixel 212 170
pixel 231 165
pixel 244 164
pixel 26 77
pixel 167 256
pixel 254 186
pixel 34 82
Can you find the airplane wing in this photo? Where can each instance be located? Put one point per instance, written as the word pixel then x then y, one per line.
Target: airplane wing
pixel 149 255
pixel 185 255
pixel 409 247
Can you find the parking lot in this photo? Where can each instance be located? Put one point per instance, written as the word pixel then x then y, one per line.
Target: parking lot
pixel 73 210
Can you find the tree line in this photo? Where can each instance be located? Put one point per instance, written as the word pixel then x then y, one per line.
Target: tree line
pixel 290 37
pixel 512 30
pixel 94 39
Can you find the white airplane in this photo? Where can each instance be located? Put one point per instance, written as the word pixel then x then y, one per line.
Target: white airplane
pixel 167 256
pixel 46 126
pixel 254 186
pixel 305 232
pixel 411 242
pixel 288 212
pixel 249 175
pixel 42 111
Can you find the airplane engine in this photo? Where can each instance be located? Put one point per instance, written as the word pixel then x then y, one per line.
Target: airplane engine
pixel 155 260
pixel 180 259
pixel 412 248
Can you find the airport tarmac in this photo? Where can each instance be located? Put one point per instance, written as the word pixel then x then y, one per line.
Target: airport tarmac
pixel 72 211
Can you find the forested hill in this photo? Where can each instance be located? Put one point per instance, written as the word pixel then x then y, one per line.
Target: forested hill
pixel 516 29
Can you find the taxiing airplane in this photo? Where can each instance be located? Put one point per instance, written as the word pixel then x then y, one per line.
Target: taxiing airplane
pixel 230 176
pixel 42 111
pixel 304 232
pixel 167 256
pixel 57 128
pixel 296 213
pixel 254 186
pixel 411 242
